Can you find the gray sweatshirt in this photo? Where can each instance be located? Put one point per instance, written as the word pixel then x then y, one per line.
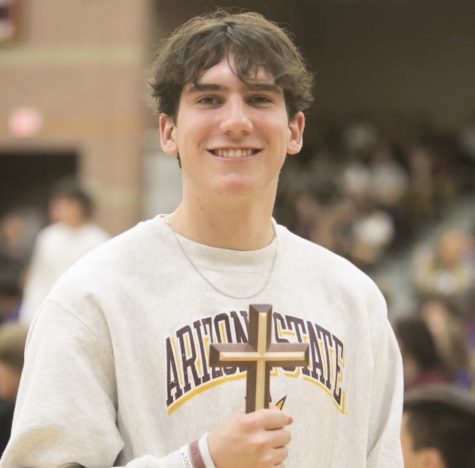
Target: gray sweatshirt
pixel 117 370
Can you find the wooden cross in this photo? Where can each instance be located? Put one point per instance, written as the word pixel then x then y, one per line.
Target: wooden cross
pixel 258 356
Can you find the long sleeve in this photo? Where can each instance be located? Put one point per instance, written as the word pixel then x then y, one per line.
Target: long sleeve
pixel 67 405
pixel 384 450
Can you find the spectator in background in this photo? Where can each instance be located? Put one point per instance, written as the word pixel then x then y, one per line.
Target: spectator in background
pixel 307 211
pixel 389 184
pixel 389 180
pixel 12 346
pixel 445 268
pixel 59 245
pixel 419 204
pixel 444 321
pixel 421 362
pixel 438 428
pixel 371 233
pixel 371 230
pixel 469 321
pixel 16 240
pixel 10 297
pixel 360 138
pixel 468 312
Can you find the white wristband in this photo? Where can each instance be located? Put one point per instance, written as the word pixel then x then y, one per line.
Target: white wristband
pixel 204 449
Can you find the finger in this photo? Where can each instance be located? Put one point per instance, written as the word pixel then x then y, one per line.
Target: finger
pixel 280 438
pixel 273 419
pixel 272 406
pixel 280 455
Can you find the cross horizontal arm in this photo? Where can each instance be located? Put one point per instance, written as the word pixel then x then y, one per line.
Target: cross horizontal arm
pixel 217 350
pixel 287 355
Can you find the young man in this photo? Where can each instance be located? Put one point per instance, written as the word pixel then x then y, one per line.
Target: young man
pixel 117 366
pixel 438 429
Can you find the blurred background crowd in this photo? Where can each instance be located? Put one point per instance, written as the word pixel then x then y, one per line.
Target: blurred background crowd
pixel 386 177
pixel 399 203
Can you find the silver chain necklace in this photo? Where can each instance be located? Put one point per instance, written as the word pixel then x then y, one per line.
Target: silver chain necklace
pixel 220 291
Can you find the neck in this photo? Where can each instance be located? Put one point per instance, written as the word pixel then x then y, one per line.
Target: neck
pixel 238 227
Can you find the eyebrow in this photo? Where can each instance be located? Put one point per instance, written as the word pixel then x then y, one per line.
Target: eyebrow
pixel 203 87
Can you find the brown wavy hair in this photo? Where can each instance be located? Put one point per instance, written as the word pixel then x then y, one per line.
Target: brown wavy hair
pixel 250 39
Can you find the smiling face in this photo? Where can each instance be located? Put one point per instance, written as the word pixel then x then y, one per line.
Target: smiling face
pixel 232 137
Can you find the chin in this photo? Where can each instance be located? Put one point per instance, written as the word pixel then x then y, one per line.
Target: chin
pixel 236 187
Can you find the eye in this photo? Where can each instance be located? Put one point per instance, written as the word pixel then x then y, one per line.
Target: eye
pixel 260 99
pixel 209 100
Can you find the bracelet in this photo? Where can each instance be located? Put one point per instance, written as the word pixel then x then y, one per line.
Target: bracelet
pixel 195 455
pixel 204 450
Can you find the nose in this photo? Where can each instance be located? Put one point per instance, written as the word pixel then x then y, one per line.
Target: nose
pixel 236 120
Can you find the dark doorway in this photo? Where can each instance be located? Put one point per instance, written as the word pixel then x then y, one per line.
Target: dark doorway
pixel 26 178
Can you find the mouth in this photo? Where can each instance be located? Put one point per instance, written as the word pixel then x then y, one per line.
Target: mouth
pixel 234 153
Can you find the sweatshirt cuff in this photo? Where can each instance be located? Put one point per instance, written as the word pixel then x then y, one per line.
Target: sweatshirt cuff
pixel 185 457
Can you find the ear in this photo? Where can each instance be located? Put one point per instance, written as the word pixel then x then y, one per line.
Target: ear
pixel 296 127
pixel 167 135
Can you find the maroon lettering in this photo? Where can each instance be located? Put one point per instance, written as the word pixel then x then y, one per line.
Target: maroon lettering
pixel 188 362
pixel 174 390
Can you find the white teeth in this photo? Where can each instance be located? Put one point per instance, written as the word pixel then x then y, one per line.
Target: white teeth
pixel 234 153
